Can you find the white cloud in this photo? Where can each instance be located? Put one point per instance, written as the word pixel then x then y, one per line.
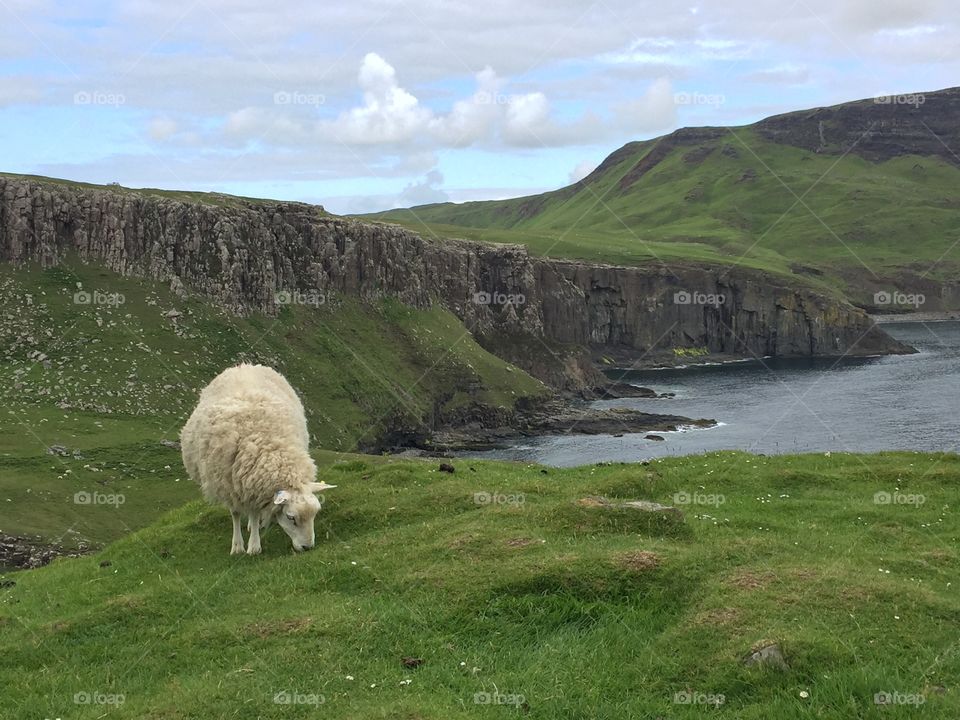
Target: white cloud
pixel 654 111
pixel 472 119
pixel 18 91
pixel 581 170
pixel 424 191
pixel 783 74
pixel 392 116
pixel 389 113
pixel 162 128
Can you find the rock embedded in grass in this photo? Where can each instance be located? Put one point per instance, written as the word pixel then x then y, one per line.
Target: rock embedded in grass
pixel 766 654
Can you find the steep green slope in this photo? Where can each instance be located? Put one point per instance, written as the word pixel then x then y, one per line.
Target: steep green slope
pixel 536 604
pixel 860 218
pixel 107 380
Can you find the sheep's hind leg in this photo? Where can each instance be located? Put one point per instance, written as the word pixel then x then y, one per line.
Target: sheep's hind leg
pixel 253 544
pixel 237 547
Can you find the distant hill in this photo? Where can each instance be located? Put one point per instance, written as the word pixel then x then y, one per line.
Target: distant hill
pixel 864 196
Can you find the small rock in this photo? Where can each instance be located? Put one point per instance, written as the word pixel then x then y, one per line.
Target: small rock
pixel 412 662
pixel 105 563
pixel 446 467
pixel 651 436
pixel 767 654
pixel 170 444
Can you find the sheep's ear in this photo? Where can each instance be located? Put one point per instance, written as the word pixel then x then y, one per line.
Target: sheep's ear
pixel 281 497
pixel 316 487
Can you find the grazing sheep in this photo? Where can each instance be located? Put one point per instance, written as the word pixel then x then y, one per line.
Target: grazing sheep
pixel 246 445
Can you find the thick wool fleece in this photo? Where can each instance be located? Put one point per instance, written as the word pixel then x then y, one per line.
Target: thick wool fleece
pixel 247 439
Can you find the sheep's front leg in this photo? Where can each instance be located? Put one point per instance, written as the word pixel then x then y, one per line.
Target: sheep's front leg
pixel 236 548
pixel 253 544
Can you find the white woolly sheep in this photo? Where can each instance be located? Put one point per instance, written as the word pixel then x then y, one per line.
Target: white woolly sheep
pixel 246 445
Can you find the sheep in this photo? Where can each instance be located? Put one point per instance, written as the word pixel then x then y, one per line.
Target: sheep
pixel 246 445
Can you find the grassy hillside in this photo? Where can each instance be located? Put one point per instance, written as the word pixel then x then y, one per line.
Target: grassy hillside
pixel 106 381
pixel 737 198
pixel 534 605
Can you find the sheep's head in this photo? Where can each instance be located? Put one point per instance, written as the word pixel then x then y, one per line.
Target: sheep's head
pixel 296 510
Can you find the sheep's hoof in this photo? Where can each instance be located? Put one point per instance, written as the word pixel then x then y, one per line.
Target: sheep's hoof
pixel 253 550
pixel 236 550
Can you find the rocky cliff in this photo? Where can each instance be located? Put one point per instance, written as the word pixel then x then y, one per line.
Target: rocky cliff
pixel 539 313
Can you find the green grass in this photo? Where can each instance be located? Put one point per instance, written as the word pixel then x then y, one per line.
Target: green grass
pixel 536 597
pixel 729 200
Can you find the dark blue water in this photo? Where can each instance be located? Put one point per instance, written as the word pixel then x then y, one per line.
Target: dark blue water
pixel 904 402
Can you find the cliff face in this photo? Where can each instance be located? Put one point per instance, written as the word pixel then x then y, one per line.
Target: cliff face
pixel 877 129
pixel 539 313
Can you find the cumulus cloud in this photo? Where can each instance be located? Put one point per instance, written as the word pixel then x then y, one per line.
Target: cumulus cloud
pixel 389 113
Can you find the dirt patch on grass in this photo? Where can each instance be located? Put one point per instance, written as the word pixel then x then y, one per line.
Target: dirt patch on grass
pixel 522 542
pixel 638 560
pixel 718 616
pixel 939 557
pixel 752 579
pixel 290 626
pixel 461 541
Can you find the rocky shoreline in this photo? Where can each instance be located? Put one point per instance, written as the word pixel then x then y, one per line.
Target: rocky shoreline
pixel 553 417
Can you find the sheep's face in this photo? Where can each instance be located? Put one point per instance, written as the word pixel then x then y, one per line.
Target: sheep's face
pixel 296 511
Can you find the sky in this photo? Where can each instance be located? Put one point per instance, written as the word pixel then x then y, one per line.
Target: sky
pixel 372 104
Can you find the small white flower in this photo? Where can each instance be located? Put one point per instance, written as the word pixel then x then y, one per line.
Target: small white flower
pixel 349 677
pixel 803 693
